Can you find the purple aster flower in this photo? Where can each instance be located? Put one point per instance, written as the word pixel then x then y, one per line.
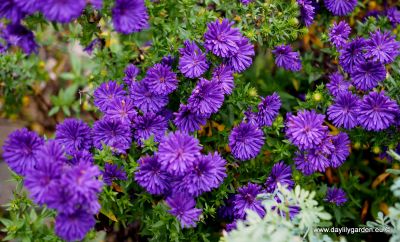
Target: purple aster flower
pixel 145 100
pixel 367 75
pixel 251 117
pixel 18 35
pixel 130 16
pixel 113 172
pixel 98 4
pixel 306 130
pixel 177 152
pixel 193 62
pixel 20 150
pixel 28 6
pixel 105 93
pixel 312 160
pixel 161 80
pixel 81 156
pixel 131 72
pixel 339 33
pixel 393 15
pixel 245 141
pixel 168 60
pixel 206 98
pixel 337 84
pixel 74 134
pixel 187 120
pixel 268 109
pixel 147 125
pixel 352 55
pixel 221 39
pixel 223 75
pixel 307 11
pixel 340 7
pixel 246 198
pixel 151 176
pixel 73 227
pixel 231 226
pixel 344 111
pixel 112 133
pixel 281 174
pixel 10 10
pixel 242 59
pixel 286 58
pixel 336 195
pixel 339 155
pixel 92 45
pixel 303 163
pixel 121 109
pixel 183 208
pixel 377 111
pixel 226 211
pixel 62 11
pixel 382 47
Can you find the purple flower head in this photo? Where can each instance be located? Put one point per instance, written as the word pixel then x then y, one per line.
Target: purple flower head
pixel 62 11
pixel 393 15
pixel 177 152
pixel 242 59
pixel 246 198
pixel 337 84
pixel 367 75
pixel 147 125
pixel 339 155
pixel 81 156
pixel 131 72
pixel 28 6
pixel 206 98
pixel 106 93
pixel 339 33
pixel 286 58
pixel 151 176
pixel 92 45
pixel 112 133
pixel 10 10
pixel 245 141
pixel 281 174
pixel 246 2
pixel 268 109
pixel 377 111
pixel 344 111
pixel 74 135
pixel 382 47
pixel 52 151
pixel 130 16
pixel 183 208
pixel 98 4
pixel 193 62
pixel 73 227
pixel 340 7
pixel 231 226
pixel 223 75
pixel 20 150
pixel 306 130
pixel 226 210
pixel 168 60
pixel 221 39
pixel 352 55
pixel 336 195
pixel 313 160
pixel 303 163
pixel 18 35
pixel 145 100
pixel 250 117
pixel 122 109
pixel 307 11
pixel 113 172
pixel 187 120
pixel 161 80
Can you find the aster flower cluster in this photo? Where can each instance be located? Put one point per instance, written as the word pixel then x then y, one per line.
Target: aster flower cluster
pixel 59 173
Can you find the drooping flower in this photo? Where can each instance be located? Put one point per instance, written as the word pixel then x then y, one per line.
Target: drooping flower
pixel 344 110
pixel 393 15
pixel 281 174
pixel 168 60
pixel 122 109
pixel 74 135
pixel 73 227
pixel 251 117
pixel 206 98
pixel 246 198
pixel 268 109
pixel 147 125
pixel 339 33
pixel 187 120
pixel 223 75
pixel 313 160
pixel 336 195
pixel 340 7
pixel 28 6
pixel 306 130
pixel 367 75
pixel 62 11
pixel 382 47
pixel 183 208
pixel 352 55
pixel 286 58
pixel 106 93
pixel 96 43
pixel 151 176
pixel 20 150
pixel 246 141
pixel 377 111
pixel 131 72
pixel 113 133
pixel 192 62
pixel 161 80
pixel 10 10
pixel 98 4
pixel 242 59
pixel 18 35
pixel 145 100
pixel 337 84
pixel 339 155
pixel 112 172
pixel 221 39
pixel 307 11
pixel 303 163
pixel 177 152
pixel 130 16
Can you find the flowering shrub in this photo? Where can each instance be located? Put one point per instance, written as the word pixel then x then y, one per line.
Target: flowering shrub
pixel 201 120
